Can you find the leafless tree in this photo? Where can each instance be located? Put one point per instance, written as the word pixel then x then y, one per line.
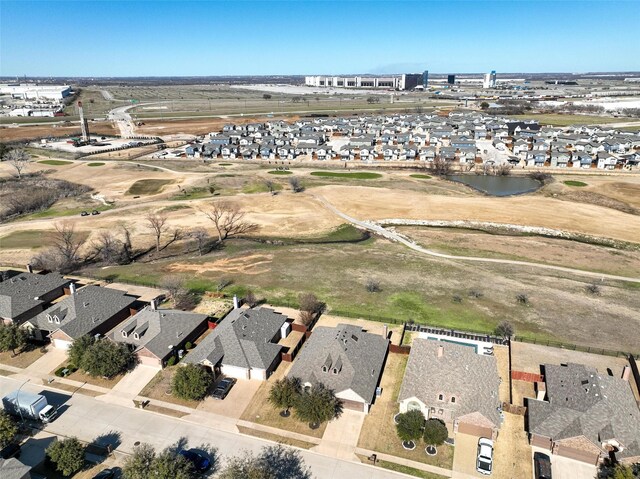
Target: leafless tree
pixel 310 307
pixel 67 243
pixel 201 236
pixel 127 248
pixel 271 186
pixel 296 185
pixel 108 247
pixel 178 292
pixel 19 159
pixel 228 220
pixel 251 299
pixel 441 167
pixel 156 223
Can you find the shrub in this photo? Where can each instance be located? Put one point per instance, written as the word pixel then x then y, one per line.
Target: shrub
pixel 593 289
pixel 373 285
pixel 59 372
pixel 67 455
pixel 171 361
pixel 435 432
pixel 188 345
pixel 522 298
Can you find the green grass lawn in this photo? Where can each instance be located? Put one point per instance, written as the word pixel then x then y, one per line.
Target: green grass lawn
pixel 574 183
pixel 55 162
pixel 357 175
pixel 148 186
pixel 225 164
pixel 280 172
pixel 422 177
pixel 26 239
pixel 95 164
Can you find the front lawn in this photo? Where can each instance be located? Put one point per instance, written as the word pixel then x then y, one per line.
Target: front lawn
pixel 362 175
pixel 27 357
pixel 379 431
pixel 159 388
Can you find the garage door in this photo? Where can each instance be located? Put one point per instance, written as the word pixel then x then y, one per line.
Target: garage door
pixel 577 454
pixel 149 361
pixel 353 405
pixel 61 344
pixel 475 430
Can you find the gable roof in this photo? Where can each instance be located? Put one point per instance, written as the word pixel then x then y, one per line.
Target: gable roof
pixel 12 468
pixel 82 312
pixel 242 339
pixel 157 330
pixel 18 293
pixel 356 356
pixel 472 378
pixel 585 403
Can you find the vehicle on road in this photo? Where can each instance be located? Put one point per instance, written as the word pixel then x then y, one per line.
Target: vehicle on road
pixel 95 212
pixel 29 406
pixel 541 466
pixel 84 213
pixel 105 474
pixel 223 388
pixel 200 462
pixel 484 463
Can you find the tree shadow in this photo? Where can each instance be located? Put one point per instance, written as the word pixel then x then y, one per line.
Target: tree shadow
pixel 110 440
pixel 283 463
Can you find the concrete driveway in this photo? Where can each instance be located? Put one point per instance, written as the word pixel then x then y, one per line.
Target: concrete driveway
pixel 48 362
pixel 340 438
pixel 464 456
pixel 130 385
pixel 236 401
pixel 565 468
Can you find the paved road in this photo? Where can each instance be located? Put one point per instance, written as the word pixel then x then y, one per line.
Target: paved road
pixel 87 418
pixel 400 239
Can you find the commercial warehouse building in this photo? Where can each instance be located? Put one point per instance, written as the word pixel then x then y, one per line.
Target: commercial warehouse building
pixel 31 91
pixel 406 81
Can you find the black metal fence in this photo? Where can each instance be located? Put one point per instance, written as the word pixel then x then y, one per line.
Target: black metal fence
pixel 575 347
pixel 452 333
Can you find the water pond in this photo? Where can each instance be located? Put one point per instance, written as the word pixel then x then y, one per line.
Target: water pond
pixel 498 185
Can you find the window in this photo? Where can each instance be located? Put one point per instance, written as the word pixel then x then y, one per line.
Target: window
pixel 453 399
pixel 440 397
pixel 49 318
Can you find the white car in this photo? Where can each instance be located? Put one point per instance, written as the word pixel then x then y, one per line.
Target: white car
pixel 484 463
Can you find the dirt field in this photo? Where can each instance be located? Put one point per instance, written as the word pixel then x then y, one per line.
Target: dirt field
pixel 527 248
pixel 367 203
pixel 30 132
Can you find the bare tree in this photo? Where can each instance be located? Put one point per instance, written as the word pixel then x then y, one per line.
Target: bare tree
pixel 504 330
pixel 67 243
pixel 251 299
pixel 441 167
pixel 108 248
pixel 296 185
pixel 127 249
pixel 19 159
pixel 228 220
pixel 310 307
pixel 178 292
pixel 271 186
pixel 201 236
pixel 156 223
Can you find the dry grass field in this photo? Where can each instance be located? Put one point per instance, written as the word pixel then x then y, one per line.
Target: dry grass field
pixel 281 261
pixel 29 132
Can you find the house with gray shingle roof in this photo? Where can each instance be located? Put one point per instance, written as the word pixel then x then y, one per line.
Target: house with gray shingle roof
pixel 347 360
pixel 585 415
pixel 158 334
pixel 24 295
pixel 453 383
pixel 12 468
pixel 244 344
pixel 90 310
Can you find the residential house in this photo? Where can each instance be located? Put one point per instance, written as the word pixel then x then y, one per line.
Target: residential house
pixel 244 344
pixel 536 158
pixel 12 468
pixel 24 295
pixel 92 310
pixel 606 161
pixel 453 383
pixel 584 415
pixel 158 334
pixel 345 359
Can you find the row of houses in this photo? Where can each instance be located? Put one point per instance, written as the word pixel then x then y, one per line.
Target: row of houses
pixel 577 412
pixel 422 137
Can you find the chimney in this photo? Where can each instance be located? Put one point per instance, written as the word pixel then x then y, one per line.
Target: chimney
pixel 235 302
pixel 385 330
pixel 29 268
pixel 440 351
pixel 154 304
pixel 625 372
pixel 72 288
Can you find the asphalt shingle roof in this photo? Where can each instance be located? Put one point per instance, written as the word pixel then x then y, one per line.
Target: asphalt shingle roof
pixel 12 468
pixel 242 339
pixel 18 294
pixel 158 330
pixel 472 378
pixel 82 312
pixel 585 403
pixel 357 356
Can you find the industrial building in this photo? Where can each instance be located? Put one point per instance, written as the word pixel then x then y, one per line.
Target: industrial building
pixel 489 80
pixel 31 91
pixel 406 81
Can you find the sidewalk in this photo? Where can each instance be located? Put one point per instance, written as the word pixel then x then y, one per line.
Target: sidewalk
pixel 407 462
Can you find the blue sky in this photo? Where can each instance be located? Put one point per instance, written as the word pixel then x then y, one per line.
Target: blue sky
pixel 147 38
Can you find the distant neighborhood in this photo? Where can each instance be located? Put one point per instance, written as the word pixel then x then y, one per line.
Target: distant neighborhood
pixel 460 385
pixel 465 139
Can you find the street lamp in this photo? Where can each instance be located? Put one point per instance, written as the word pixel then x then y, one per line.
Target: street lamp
pixel 18 401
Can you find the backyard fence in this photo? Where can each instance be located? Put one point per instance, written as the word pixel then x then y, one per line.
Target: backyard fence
pixel 575 347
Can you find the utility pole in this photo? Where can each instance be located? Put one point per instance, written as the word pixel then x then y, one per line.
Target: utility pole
pixel 18 401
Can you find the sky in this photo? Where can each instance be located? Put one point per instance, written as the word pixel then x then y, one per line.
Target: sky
pixel 208 38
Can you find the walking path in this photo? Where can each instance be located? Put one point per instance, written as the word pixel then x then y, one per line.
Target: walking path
pixel 371 226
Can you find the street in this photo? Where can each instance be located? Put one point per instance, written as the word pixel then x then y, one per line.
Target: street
pixel 88 418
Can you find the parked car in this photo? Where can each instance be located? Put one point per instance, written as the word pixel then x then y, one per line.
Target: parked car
pixel 223 388
pixel 84 213
pixel 200 462
pixel 95 212
pixel 105 474
pixel 541 466
pixel 484 463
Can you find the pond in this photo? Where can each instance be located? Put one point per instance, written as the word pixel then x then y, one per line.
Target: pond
pixel 498 185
